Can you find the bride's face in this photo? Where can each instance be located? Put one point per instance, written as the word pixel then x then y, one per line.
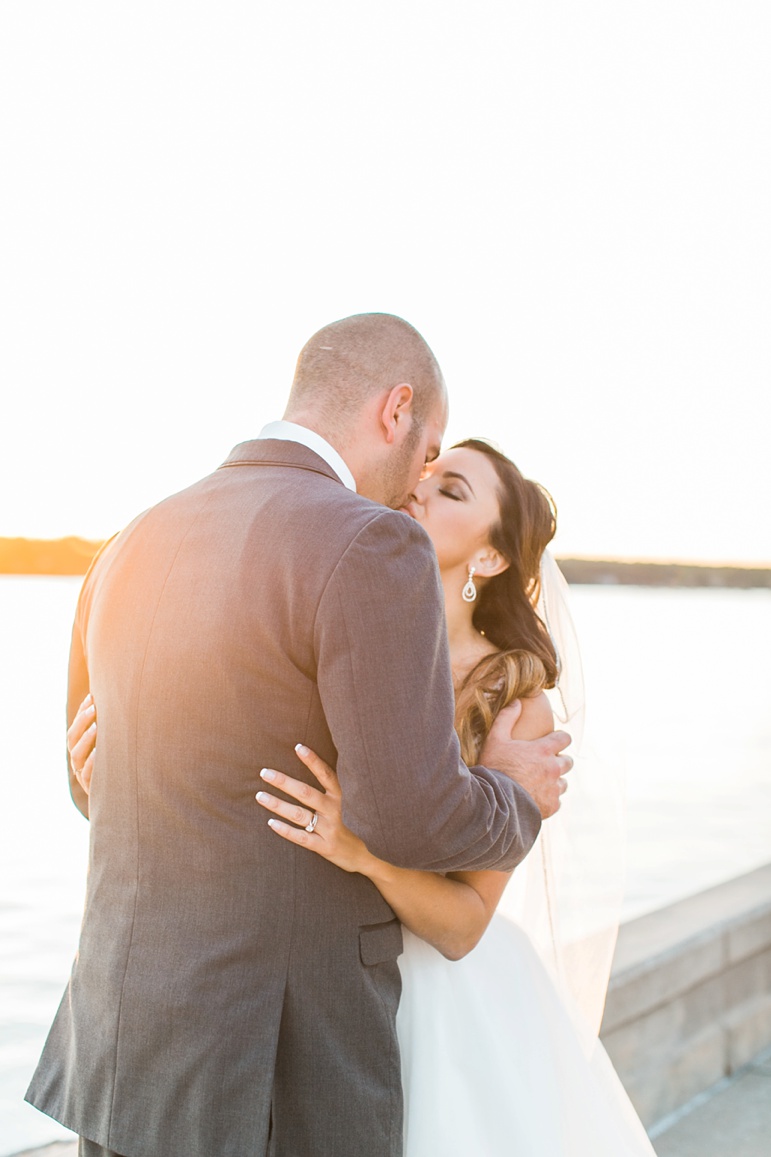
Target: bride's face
pixel 456 503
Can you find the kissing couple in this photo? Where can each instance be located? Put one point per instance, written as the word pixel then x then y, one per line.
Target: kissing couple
pixel 337 627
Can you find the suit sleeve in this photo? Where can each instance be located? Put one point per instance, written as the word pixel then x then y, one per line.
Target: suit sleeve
pixel 386 689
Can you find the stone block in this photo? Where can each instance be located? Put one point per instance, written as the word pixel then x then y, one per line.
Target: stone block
pixel 663 977
pixel 748 978
pixel 750 935
pixel 701 1062
pixel 661 1037
pixel 664 1085
pixel 748 1031
pixel 651 1039
pixel 697 1065
pixel 702 1006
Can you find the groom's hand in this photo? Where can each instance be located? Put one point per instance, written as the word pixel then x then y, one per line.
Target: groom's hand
pixel 537 765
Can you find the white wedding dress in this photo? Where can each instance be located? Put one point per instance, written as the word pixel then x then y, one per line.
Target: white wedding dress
pixel 494 1066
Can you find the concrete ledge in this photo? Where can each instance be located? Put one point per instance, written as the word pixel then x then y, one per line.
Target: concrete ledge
pixel 690 996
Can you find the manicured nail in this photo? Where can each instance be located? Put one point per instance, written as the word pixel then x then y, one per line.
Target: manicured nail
pixel 301 749
pixel 275 824
pixel 92 727
pixel 262 796
pixel 266 773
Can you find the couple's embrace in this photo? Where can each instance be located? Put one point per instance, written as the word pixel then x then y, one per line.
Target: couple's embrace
pixel 237 985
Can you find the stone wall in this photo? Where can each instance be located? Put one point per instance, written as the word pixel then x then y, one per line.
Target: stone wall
pixel 690 995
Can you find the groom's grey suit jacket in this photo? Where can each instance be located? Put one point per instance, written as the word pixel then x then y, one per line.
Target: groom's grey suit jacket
pixel 227 983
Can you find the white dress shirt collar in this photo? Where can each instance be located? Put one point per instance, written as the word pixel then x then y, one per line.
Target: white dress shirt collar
pixel 291 432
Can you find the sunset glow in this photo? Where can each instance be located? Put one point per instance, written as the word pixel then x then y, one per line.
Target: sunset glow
pixel 571 206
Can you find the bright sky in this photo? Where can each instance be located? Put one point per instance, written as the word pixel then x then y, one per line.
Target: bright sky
pixel 571 201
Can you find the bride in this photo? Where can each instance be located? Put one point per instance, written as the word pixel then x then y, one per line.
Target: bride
pixel 497 1060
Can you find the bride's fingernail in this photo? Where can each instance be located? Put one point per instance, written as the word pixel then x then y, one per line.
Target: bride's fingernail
pixel 275 824
pixel 301 749
pixel 262 796
pixel 266 773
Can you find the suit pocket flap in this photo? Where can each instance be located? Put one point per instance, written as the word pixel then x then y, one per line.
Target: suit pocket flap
pixel 380 942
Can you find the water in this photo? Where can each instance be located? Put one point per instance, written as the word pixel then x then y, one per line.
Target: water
pixel 679 686
pixel 42 840
pixel 679 693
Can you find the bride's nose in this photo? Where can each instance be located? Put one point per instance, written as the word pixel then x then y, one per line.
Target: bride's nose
pixel 419 493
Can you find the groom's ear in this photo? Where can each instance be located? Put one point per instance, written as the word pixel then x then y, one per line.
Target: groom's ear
pixel 397 405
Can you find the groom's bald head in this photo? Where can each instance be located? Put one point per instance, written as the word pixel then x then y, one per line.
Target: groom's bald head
pixel 349 362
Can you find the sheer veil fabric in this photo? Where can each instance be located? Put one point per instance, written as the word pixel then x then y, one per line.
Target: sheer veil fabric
pixel 567 894
pixel 500 1053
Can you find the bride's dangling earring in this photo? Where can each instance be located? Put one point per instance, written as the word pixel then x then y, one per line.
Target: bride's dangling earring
pixel 469 592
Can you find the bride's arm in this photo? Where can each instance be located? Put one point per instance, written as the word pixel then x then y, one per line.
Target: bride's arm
pixel 450 912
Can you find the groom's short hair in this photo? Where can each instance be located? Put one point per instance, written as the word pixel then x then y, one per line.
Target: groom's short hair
pixel 349 361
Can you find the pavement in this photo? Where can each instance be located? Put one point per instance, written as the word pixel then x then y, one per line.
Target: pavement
pixel 732 1119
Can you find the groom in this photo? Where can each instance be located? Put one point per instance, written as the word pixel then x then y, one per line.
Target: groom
pixel 233 996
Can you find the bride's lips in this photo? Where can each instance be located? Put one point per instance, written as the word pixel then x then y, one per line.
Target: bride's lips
pixel 408 508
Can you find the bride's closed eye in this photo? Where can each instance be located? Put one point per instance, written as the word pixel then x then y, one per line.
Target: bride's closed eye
pixel 451 494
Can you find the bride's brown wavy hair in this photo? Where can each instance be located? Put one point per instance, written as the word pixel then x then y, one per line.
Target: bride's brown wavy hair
pixel 526 662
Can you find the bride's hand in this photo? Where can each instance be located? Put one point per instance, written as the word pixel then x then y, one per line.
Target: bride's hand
pixel 81 742
pixel 329 837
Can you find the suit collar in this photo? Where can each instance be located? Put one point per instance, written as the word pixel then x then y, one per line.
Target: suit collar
pixel 275 452
pixel 294 432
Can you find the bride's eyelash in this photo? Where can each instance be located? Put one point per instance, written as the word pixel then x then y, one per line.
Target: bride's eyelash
pixel 449 494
